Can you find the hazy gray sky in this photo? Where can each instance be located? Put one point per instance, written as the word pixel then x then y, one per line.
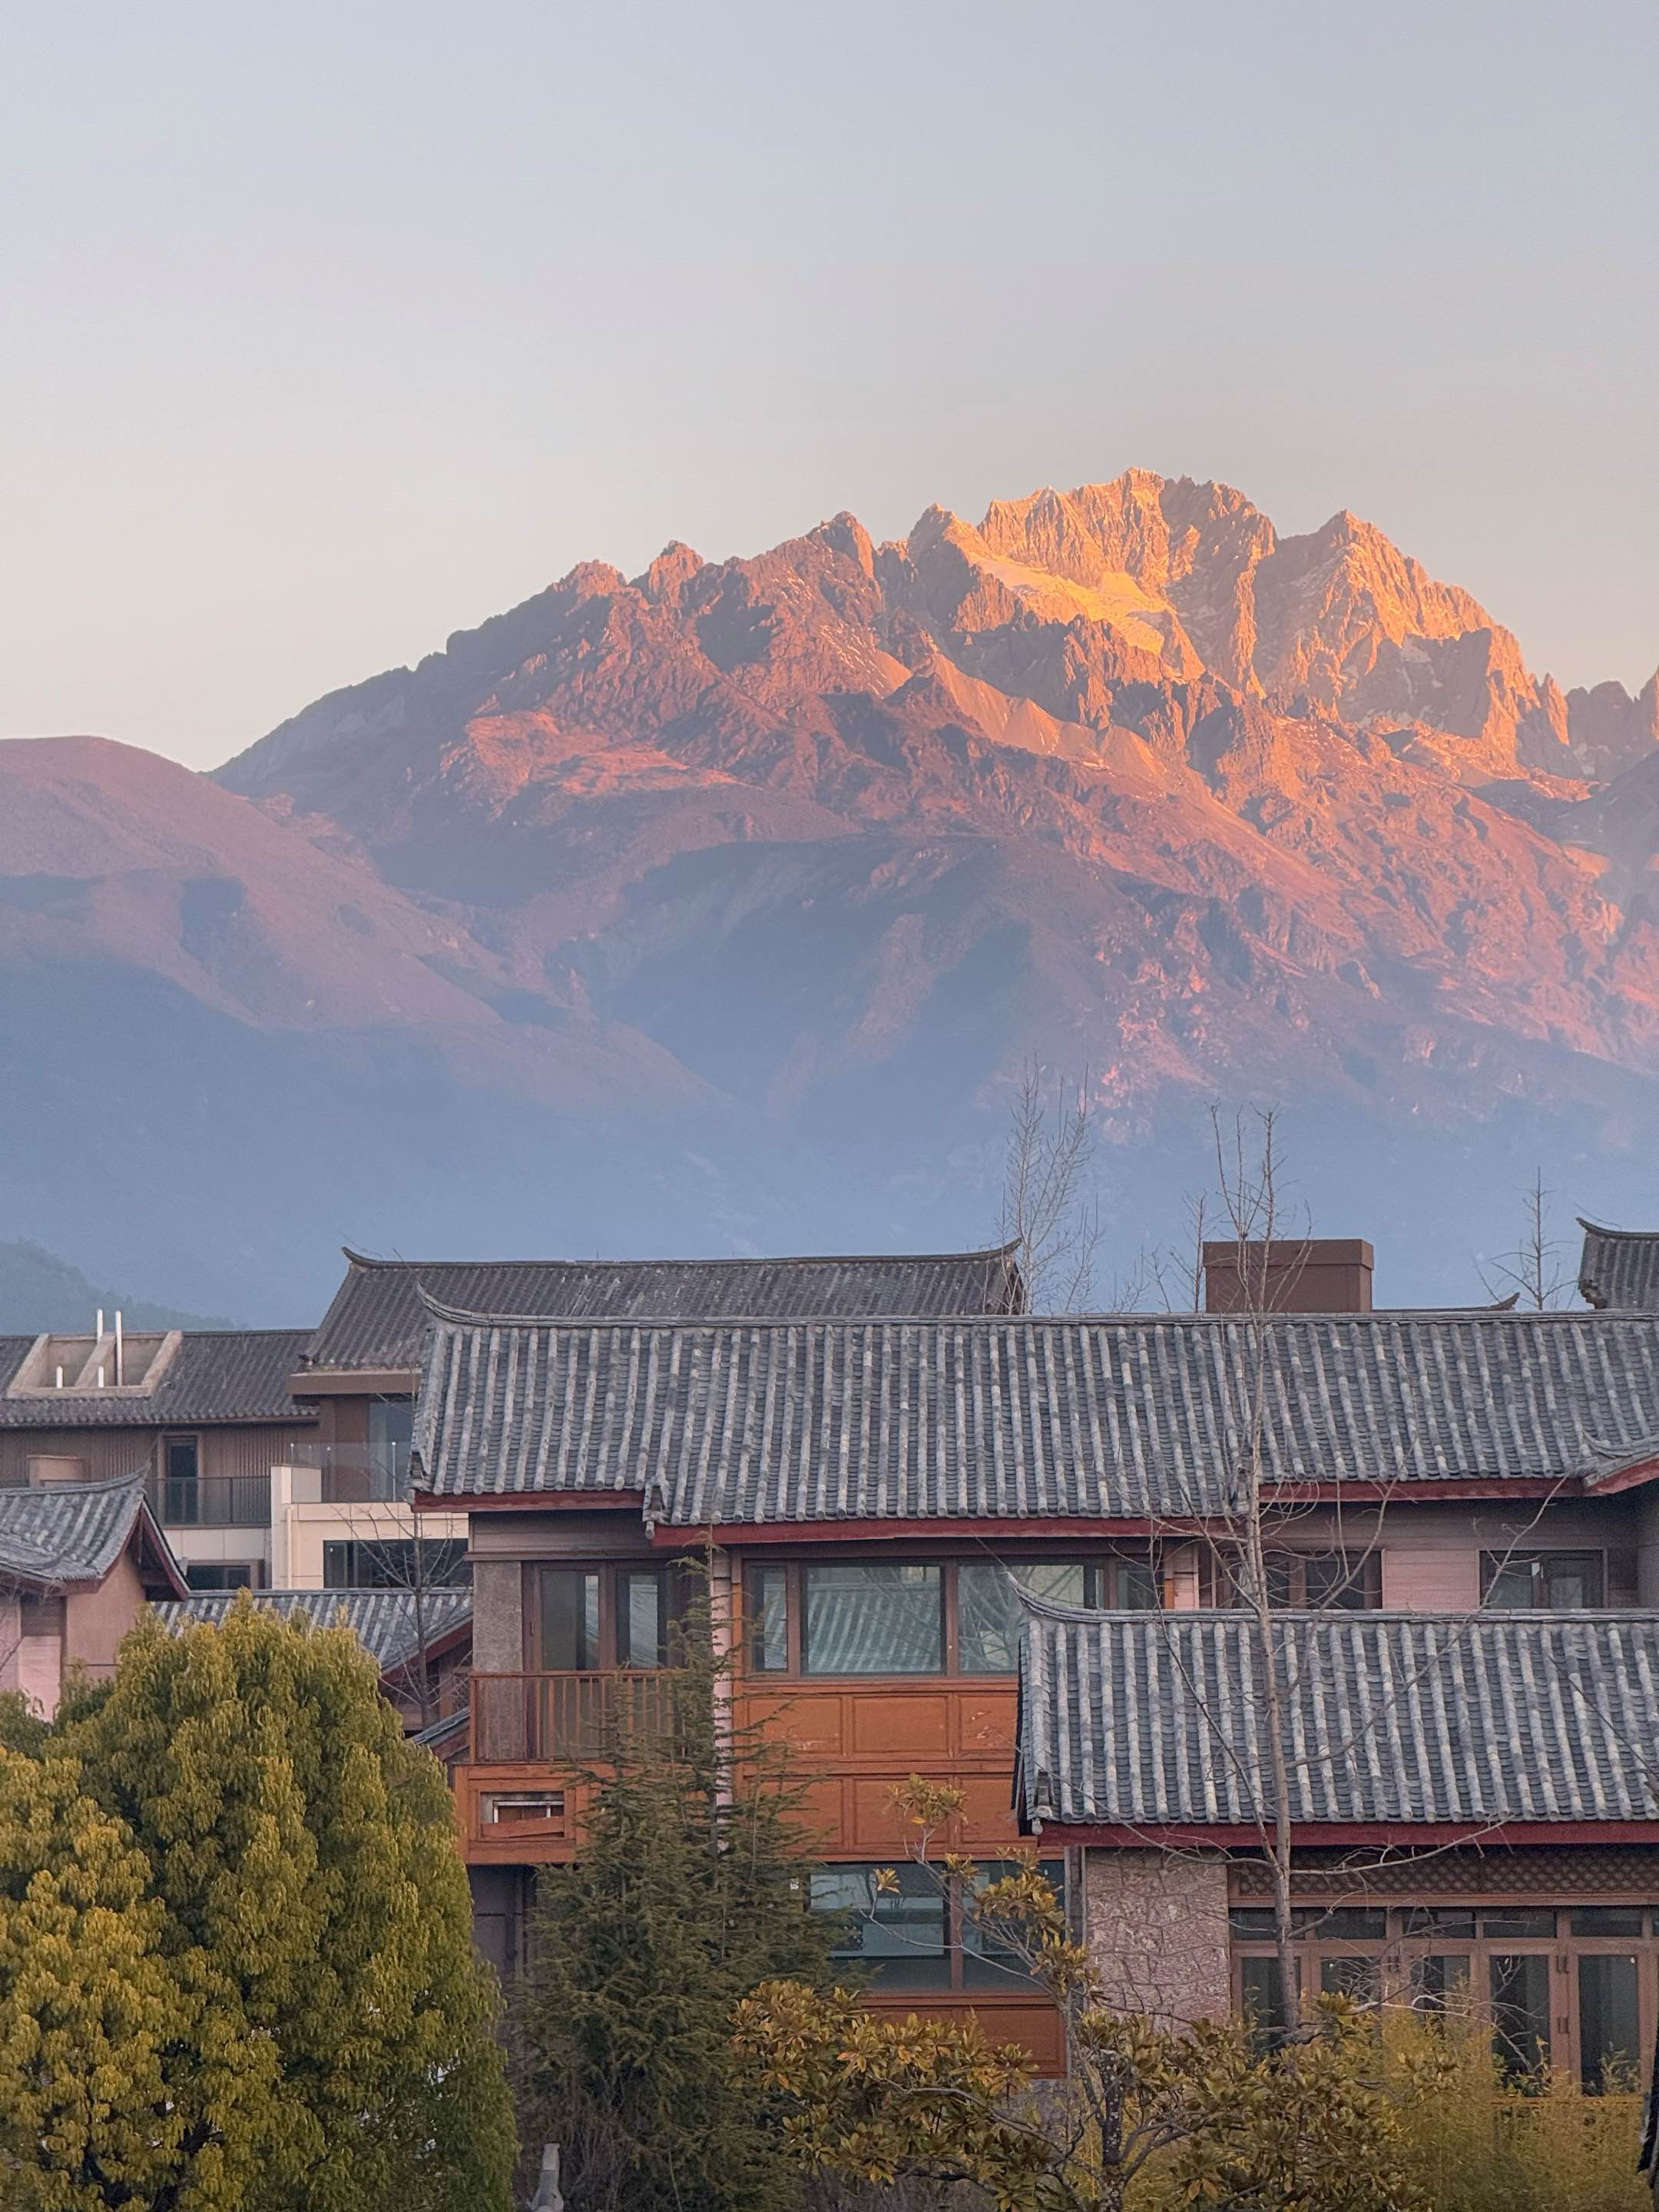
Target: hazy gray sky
pixel 329 329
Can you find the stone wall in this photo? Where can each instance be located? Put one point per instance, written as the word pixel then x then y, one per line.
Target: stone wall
pixel 1155 1926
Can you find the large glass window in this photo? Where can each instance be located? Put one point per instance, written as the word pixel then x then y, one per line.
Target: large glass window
pixel 650 1612
pixel 1609 2033
pixel 922 1932
pixel 898 1934
pixel 881 1617
pixel 395 1563
pixel 987 1960
pixel 1520 1982
pixel 1548 1582
pixel 390 1432
pixel 568 1619
pixel 989 1615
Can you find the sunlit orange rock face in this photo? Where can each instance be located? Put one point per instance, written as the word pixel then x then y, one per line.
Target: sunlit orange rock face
pixel 1119 775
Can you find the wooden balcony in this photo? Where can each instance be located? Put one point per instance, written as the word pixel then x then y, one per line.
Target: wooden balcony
pixel 852 1743
pixel 521 1720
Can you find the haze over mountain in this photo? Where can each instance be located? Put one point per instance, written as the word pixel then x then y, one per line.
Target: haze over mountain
pixel 715 908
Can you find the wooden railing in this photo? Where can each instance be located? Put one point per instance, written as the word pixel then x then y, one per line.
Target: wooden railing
pixel 519 1719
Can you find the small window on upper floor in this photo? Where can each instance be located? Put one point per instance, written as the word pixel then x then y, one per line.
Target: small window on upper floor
pixel 225 1574
pixel 1350 1581
pixel 1544 1582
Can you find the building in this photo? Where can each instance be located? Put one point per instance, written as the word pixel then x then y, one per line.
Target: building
pixel 78 1563
pixel 203 1414
pixel 886 1488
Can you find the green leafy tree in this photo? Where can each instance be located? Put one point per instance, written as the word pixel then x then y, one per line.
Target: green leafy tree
pixel 91 2017
pixel 299 1943
pixel 691 1890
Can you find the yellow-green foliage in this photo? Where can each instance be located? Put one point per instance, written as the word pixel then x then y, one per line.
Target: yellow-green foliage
pixel 1459 2141
pixel 236 1972
pixel 1471 2147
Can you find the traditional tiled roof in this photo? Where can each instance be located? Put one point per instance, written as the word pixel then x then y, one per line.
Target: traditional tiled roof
pixel 1149 1720
pixel 384 1621
pixel 215 1375
pixel 1120 1416
pixel 1619 1268
pixel 69 1534
pixel 378 1319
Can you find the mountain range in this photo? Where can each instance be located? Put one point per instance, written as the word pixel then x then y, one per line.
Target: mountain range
pixel 718 908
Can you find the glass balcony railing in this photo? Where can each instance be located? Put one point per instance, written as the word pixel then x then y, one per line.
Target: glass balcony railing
pixel 355 1474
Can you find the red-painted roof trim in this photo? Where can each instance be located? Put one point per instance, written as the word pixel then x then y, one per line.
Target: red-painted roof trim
pixel 1628 1478
pixel 922 1528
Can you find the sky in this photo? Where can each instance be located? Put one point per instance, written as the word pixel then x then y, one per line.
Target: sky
pixel 328 330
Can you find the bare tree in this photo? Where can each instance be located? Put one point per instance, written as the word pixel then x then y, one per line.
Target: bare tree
pixel 1048 1212
pixel 1533 1274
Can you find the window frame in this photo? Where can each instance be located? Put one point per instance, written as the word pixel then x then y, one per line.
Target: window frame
pixel 1104 1565
pixel 1405 1947
pixel 611 1639
pixel 1492 1563
pixel 955 1925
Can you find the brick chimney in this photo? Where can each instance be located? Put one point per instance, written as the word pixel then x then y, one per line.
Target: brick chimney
pixel 1302 1275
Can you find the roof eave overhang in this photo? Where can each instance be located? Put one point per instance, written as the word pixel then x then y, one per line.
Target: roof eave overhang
pixel 1369 1834
pixel 528 1501
pixel 1623 1478
pixel 354 1382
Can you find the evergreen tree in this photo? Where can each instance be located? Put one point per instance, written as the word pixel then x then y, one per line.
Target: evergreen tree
pixel 692 1890
pixel 90 2014
pixel 298 1941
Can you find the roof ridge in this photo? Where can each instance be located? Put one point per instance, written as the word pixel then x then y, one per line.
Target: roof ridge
pixel 134 1479
pixel 707 1259
pixel 483 1318
pixel 1618 1236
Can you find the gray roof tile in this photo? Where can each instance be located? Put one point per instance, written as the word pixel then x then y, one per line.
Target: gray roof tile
pixel 66 1533
pixel 1119 1416
pixel 378 1319
pixel 1146 1720
pixel 216 1375
pixel 383 1621
pixel 1619 1268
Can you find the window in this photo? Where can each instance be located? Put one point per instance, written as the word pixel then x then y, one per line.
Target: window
pixel 1551 1581
pixel 922 1933
pixel 1520 1982
pixel 180 1491
pixel 989 1614
pixel 887 1617
pixel 567 1620
pixel 1261 1998
pixel 651 1610
pixel 1440 1980
pixel 1349 1580
pixel 768 1619
pixel 1609 2034
pixel 879 1617
pixel 391 1563
pixel 899 1935
pixel 391 1431
pixel 226 1574
pixel 987 1962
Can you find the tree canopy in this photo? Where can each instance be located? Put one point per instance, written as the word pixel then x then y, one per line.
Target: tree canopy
pixel 236 1966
